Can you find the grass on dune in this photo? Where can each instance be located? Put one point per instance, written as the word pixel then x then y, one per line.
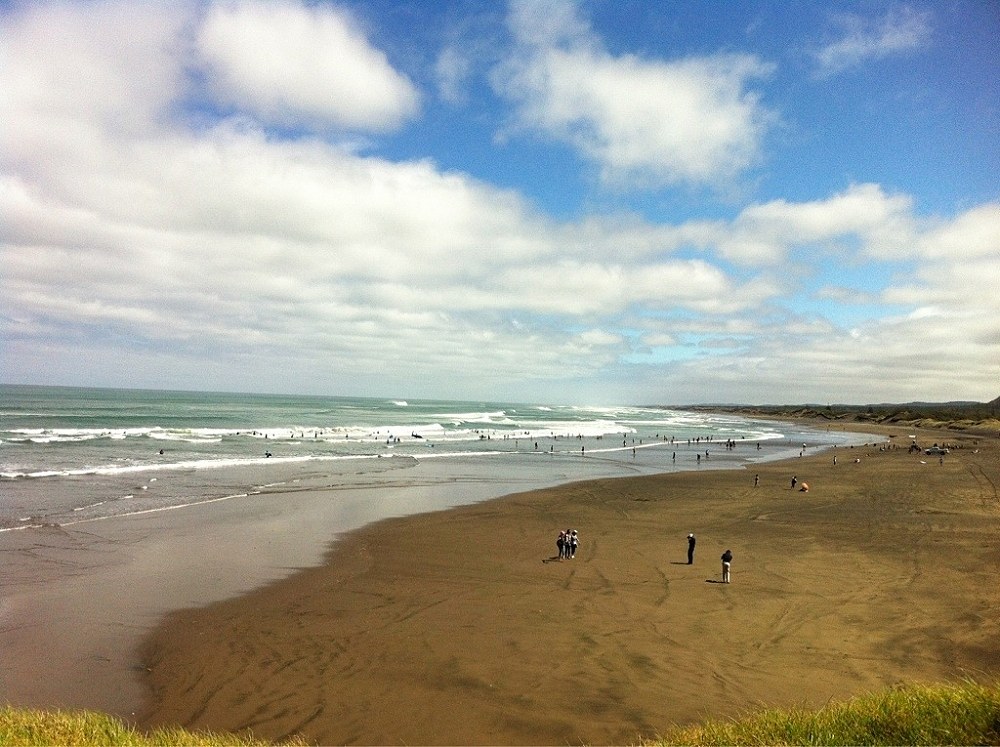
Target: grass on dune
pixel 35 727
pixel 964 714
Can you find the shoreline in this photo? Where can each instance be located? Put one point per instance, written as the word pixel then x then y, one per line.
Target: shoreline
pixel 76 600
pixel 459 627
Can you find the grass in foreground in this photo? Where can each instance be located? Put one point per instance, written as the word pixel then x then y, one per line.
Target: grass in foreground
pixel 965 714
pixel 31 727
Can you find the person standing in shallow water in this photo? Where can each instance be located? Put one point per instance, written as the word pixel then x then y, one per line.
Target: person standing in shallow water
pixel 691 541
pixel 727 559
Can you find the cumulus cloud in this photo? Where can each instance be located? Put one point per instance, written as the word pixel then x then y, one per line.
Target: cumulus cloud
pixel 74 73
pixel 971 235
pixel 693 120
pixel 286 62
pixel 860 39
pixel 864 213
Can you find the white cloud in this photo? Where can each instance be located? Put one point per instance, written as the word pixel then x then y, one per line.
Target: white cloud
pixel 288 63
pixel 648 121
pixel 220 256
pixel 901 29
pixel 659 339
pixel 73 73
pixel 863 214
pixel 971 235
pixel 453 70
pixel 599 338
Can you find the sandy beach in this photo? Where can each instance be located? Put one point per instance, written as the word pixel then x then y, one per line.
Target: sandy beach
pixel 463 627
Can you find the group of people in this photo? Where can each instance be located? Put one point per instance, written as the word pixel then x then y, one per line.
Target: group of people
pixel 727 558
pixel 567 543
pixel 569 540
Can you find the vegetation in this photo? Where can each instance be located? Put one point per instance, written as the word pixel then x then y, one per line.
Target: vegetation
pixel 973 417
pixel 31 727
pixel 963 714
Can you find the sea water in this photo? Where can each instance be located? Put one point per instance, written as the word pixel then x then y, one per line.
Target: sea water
pixel 73 455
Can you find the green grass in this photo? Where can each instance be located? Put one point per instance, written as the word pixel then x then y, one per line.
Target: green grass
pixel 965 714
pixel 31 727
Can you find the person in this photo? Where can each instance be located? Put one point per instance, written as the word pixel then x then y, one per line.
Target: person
pixel 574 541
pixel 756 480
pixel 727 559
pixel 691 542
pixel 561 545
pixel 794 481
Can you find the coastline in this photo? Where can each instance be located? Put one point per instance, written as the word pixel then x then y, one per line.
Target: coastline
pixel 77 597
pixel 76 601
pixel 459 627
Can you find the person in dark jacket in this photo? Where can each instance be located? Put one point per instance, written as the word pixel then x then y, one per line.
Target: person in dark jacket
pixel 727 559
pixel 691 542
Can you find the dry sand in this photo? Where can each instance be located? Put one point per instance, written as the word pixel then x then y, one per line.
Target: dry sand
pixel 460 627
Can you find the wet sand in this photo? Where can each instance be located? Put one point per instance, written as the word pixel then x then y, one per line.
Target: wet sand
pixel 462 627
pixel 76 601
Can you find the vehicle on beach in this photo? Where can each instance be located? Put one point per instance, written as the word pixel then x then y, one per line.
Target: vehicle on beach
pixel 936 450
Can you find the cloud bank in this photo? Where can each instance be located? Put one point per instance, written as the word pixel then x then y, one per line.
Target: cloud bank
pixel 146 243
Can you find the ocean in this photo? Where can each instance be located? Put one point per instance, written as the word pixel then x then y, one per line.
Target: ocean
pixel 75 455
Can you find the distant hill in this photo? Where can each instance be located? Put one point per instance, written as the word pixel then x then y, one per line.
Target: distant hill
pixel 974 417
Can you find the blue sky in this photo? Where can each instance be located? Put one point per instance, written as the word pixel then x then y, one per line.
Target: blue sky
pixel 595 202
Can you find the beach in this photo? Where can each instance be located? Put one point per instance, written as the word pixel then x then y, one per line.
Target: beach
pixel 462 626
pixel 118 507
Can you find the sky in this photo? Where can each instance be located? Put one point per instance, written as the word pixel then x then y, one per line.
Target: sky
pixel 594 202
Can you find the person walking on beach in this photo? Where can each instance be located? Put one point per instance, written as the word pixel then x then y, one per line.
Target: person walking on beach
pixel 574 541
pixel 727 559
pixel 795 481
pixel 561 545
pixel 691 542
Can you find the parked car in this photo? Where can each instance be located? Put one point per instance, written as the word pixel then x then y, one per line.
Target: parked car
pixel 936 450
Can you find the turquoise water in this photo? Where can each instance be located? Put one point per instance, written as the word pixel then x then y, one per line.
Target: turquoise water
pixel 69 455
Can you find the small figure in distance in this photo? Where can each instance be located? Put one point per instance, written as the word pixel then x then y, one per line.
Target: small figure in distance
pixel 691 541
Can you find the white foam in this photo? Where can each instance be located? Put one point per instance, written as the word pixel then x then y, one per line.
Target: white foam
pixel 189 465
